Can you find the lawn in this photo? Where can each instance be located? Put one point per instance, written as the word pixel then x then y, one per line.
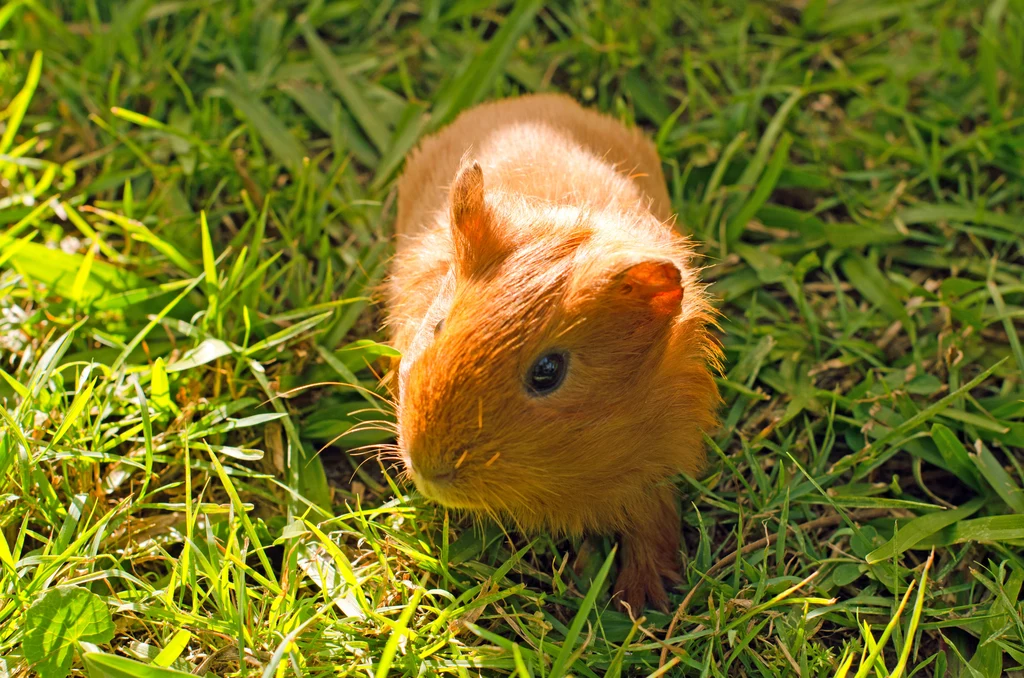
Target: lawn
pixel 196 200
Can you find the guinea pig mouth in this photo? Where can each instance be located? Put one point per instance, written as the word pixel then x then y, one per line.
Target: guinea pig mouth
pixel 443 489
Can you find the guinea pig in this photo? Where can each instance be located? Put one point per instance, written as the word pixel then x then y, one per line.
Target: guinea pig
pixel 557 359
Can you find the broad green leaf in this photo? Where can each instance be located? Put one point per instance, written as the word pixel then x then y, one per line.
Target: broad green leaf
pixel 846 573
pixel 78 285
pixel 133 297
pixel 953 452
pixel 976 420
pixel 875 287
pixel 14 384
pixel 103 665
pixel 920 528
pixel 930 214
pixel 160 387
pixel 362 352
pixel 244 422
pixel 287 334
pixel 207 351
pixel 77 405
pixel 1001 481
pixel 57 621
pixel 59 271
pixel 6 557
pixel 173 649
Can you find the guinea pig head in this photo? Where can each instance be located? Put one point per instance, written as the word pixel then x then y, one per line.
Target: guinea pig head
pixel 548 383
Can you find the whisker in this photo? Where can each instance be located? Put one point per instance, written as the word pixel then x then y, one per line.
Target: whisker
pixel 371 425
pixel 371 409
pixel 371 449
pixel 393 405
pixel 360 428
pixel 355 471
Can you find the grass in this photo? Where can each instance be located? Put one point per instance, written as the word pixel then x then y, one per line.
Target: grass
pixel 195 200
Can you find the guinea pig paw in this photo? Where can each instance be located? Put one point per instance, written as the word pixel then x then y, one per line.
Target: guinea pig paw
pixel 670 572
pixel 584 554
pixel 638 588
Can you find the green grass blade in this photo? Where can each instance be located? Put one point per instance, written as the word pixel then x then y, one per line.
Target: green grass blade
pixel 397 631
pixel 78 405
pixel 209 265
pixel 932 410
pixel 876 651
pixel 955 455
pixel 361 109
pixel 15 112
pixel 920 528
pixel 147 433
pixel 915 620
pixel 471 86
pixel 173 649
pixel 82 276
pixel 734 229
pixel 998 478
pixel 1011 331
pixel 560 666
pixel 990 530
pixel 141 335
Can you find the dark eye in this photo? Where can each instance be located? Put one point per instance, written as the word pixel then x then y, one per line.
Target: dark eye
pixel 547 374
pixel 438 327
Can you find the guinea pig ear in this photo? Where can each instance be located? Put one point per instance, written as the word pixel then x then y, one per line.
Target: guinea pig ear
pixel 653 284
pixel 471 228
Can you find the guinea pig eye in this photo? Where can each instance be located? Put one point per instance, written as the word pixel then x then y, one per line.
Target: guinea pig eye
pixel 547 374
pixel 438 327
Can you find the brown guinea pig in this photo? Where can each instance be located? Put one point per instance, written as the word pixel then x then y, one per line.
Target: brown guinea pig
pixel 557 359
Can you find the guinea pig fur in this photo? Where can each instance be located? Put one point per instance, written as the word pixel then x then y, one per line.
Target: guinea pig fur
pixel 557 359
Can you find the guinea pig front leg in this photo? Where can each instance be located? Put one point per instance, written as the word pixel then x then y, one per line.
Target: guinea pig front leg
pixel 650 553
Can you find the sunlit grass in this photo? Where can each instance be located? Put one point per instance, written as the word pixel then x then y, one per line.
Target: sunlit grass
pixel 195 204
